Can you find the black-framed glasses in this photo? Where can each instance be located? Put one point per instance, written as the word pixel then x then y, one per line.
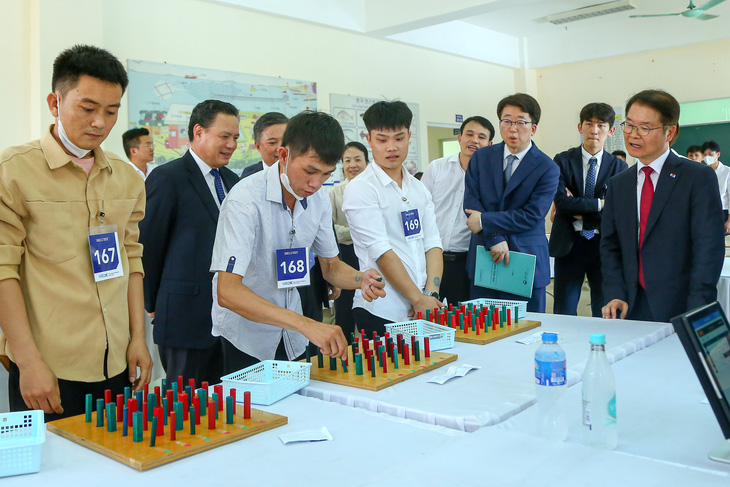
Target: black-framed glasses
pixel 642 130
pixel 507 124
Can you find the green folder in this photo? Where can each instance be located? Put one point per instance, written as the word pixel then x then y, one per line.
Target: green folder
pixel 515 279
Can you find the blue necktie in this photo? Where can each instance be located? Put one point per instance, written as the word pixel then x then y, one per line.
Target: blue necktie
pixel 218 185
pixel 590 189
pixel 508 170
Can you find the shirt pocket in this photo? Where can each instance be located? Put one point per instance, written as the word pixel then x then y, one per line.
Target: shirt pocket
pixel 50 235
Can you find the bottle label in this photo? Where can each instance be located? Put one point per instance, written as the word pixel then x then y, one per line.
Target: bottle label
pixel 611 410
pixel 550 373
pixel 587 414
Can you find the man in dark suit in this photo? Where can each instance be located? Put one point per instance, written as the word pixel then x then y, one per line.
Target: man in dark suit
pixel 575 237
pixel 183 201
pixel 662 244
pixel 509 189
pixel 268 132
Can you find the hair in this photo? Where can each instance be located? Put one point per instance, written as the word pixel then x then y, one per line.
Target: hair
pixel 265 121
pixel 130 139
pixel 388 115
pixel 418 175
pixel 92 61
pixel 358 146
pixel 711 145
pixel 619 153
pixel 659 100
pixel 694 148
pixel 205 112
pixel 524 102
pixel 481 121
pixel 598 111
pixel 318 132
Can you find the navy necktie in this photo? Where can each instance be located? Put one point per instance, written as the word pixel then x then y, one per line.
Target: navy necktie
pixel 508 170
pixel 218 185
pixel 590 190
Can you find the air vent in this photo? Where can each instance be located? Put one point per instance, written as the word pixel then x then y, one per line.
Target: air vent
pixel 592 11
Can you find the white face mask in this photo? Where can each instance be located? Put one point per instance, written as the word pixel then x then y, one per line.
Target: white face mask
pixel 284 177
pixel 709 160
pixel 70 146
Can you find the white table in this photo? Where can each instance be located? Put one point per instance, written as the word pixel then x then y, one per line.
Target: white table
pixel 504 386
pixel 723 287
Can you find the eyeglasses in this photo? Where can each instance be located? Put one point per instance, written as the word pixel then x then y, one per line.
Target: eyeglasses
pixel 642 130
pixel 149 146
pixel 507 124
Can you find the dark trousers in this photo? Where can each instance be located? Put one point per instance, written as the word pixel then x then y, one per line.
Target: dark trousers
pixel 535 304
pixel 235 360
pixel 73 393
pixel 204 364
pixel 369 322
pixel 455 280
pixel 344 318
pixel 584 259
pixel 640 311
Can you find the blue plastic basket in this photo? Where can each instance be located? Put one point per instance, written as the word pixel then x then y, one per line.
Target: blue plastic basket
pixel 439 337
pixel 268 381
pixel 22 435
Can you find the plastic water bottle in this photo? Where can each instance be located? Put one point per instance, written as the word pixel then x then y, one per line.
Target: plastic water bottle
pixel 599 398
pixel 550 382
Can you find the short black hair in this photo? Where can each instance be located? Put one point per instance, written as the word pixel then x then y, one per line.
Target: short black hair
pixel 265 121
pixel 130 139
pixel 205 112
pixel 387 115
pixel 618 153
pixel 524 102
pixel 315 131
pixel 659 100
pixel 598 111
pixel 694 148
pixel 711 145
pixel 481 121
pixel 92 61
pixel 358 146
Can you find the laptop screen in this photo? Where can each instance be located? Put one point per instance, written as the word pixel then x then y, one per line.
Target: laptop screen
pixel 714 337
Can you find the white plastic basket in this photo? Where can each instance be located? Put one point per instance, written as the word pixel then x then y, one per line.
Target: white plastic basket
pixel 485 302
pixel 439 337
pixel 22 435
pixel 268 381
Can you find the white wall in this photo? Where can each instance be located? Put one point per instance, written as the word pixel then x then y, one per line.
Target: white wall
pixel 209 35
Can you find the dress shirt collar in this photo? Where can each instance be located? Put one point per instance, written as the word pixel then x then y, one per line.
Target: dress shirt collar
pixel 587 157
pixel 274 191
pixel 386 180
pixel 656 164
pixel 204 167
pixel 519 156
pixel 56 157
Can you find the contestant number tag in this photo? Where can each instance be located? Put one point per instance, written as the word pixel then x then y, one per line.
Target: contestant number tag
pixel 292 267
pixel 411 224
pixel 104 247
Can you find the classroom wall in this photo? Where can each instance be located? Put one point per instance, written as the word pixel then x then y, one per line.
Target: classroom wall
pixel 692 73
pixel 209 35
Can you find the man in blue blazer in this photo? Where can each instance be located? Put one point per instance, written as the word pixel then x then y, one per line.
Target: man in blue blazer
pixel 183 201
pixel 662 244
pixel 509 189
pixel 575 238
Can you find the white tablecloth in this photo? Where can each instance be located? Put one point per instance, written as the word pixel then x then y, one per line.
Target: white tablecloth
pixel 505 384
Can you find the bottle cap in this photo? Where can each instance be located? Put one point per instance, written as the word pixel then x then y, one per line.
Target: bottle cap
pixel 549 337
pixel 598 338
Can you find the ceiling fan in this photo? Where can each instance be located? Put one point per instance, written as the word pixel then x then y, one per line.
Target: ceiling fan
pixel 692 11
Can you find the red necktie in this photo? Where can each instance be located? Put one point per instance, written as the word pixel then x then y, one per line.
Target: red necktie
pixel 647 195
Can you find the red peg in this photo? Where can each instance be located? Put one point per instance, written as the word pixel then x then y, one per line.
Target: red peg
pixel 159 414
pixel 219 390
pixel 247 405
pixel 144 416
pixel 107 397
pixel 159 398
pixel 183 398
pixel 120 408
pixel 196 404
pixel 170 401
pixel 233 395
pixel 406 355
pixel 420 316
pixel 426 347
pixel 132 405
pixel 180 383
pixel 413 342
pixel 146 390
pixel 191 383
pixel 172 424
pixel 509 317
pixel 385 362
pixel 211 415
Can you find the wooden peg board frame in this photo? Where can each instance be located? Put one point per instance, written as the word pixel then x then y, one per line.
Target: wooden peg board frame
pixel 494 335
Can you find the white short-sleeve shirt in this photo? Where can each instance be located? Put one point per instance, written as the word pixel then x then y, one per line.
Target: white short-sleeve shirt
pixel 373 203
pixel 254 222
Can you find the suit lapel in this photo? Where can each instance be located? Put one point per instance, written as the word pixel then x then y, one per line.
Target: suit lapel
pixel 498 171
pixel 606 168
pixel 626 204
pixel 576 163
pixel 201 187
pixel 664 187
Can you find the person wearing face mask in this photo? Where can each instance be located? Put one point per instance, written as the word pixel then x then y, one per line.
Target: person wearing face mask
pixel 268 224
pixel 354 161
pixel 71 304
pixel 711 157
pixel 183 203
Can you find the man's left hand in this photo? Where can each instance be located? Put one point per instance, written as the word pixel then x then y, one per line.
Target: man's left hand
pixel 139 356
pixel 372 285
pixel 474 222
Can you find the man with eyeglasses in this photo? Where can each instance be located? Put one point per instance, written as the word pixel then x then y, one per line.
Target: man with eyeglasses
pixel 509 189
pixel 140 149
pixel 662 248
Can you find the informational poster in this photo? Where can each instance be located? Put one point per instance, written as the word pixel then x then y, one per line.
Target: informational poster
pixel 348 110
pixel 162 97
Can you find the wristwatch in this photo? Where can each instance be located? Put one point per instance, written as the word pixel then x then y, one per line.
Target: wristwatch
pixel 433 294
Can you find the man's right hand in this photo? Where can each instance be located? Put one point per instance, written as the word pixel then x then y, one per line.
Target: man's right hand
pixel 423 304
pixel 329 338
pixel 500 252
pixel 616 308
pixel 39 388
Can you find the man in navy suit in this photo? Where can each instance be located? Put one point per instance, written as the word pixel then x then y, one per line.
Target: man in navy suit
pixel 509 189
pixel 183 200
pixel 662 243
pixel 575 237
